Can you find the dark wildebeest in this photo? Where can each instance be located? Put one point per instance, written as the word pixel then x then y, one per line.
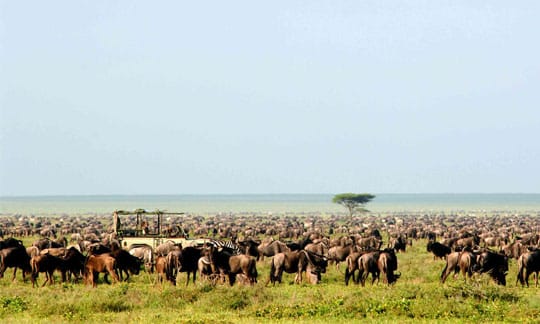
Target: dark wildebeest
pixel 439 250
pixel 387 264
pixel 74 262
pixel 96 264
pixel 225 262
pixel 182 260
pixel 494 264
pixel 250 247
pixel 46 263
pixel 398 244
pixel 17 258
pixel 528 263
pixel 10 242
pixel 126 263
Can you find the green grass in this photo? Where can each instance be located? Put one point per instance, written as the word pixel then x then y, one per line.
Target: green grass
pixel 416 297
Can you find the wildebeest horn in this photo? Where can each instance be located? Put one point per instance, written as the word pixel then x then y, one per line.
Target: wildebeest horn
pixel 398 274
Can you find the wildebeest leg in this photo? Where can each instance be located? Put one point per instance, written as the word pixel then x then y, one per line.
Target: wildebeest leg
pixel 113 275
pixel 106 278
pixel 232 278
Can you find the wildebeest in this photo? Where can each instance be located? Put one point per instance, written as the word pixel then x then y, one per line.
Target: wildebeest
pixel 296 262
pixel 398 244
pixel 439 250
pixel 225 262
pixel 514 249
pixel 455 261
pixel 369 243
pixel 10 242
pixel 46 263
pixel 126 263
pixel 250 247
pixel 145 253
pixel 96 264
pixel 74 262
pixel 528 263
pixel 387 263
pixel 161 262
pixel 368 264
pixel 494 264
pixel 272 248
pixel 182 260
pixel 164 248
pixel 352 266
pixel 46 243
pixel 338 253
pixel 17 258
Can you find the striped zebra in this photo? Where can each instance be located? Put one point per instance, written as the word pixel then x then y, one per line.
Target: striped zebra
pixel 236 250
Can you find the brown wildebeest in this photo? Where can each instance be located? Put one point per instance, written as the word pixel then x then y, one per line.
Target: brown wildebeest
pixel 339 253
pixel 96 264
pixel 352 266
pixel 46 263
pixel 368 243
pixel 160 268
pixel 528 263
pixel 296 262
pixel 32 251
pixel 243 264
pixel 319 248
pixel 368 263
pixel 204 266
pixel 224 262
pixel 464 260
pixel 272 248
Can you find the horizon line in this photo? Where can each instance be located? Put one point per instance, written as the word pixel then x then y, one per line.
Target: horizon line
pixel 257 194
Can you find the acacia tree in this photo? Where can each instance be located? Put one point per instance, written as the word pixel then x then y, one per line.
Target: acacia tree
pixel 353 202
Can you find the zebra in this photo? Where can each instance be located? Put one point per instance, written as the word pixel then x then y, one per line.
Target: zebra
pixel 235 249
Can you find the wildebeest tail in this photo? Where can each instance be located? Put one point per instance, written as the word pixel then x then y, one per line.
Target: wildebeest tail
pixel 272 271
pixel 521 271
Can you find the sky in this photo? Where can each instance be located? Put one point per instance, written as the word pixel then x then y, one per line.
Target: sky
pixel 193 97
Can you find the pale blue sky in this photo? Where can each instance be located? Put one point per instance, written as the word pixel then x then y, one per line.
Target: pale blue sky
pixel 149 97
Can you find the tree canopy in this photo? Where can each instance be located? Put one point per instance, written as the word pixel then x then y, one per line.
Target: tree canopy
pixel 353 202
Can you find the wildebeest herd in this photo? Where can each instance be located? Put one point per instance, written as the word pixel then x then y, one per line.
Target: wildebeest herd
pixel 81 248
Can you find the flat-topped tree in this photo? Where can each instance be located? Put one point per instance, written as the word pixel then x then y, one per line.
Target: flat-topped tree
pixel 353 202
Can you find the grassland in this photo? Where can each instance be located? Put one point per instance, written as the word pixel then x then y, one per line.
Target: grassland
pixel 417 297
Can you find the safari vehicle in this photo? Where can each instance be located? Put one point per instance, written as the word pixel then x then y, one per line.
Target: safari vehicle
pixel 147 227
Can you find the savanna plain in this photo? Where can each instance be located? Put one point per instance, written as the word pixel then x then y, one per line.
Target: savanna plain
pixel 417 296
